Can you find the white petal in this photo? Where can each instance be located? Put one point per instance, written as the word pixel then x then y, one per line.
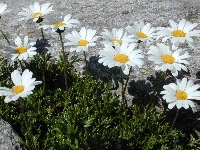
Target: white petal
pixel 16 77
pixel 191 103
pixel 169 89
pixel 83 33
pixel 37 82
pixel 173 25
pixel 185 104
pixel 181 24
pixel 179 104
pixel 183 84
pixel 171 105
pixel 26 41
pixel 18 41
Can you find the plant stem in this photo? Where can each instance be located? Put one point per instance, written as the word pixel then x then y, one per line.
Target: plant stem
pixel 65 68
pixel 44 63
pixel 123 99
pixel 5 37
pixel 22 67
pixel 86 64
pixel 86 79
pixel 127 83
pixel 158 89
pixel 26 123
pixel 175 118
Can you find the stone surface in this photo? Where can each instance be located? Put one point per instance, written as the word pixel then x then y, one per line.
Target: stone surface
pixel 195 3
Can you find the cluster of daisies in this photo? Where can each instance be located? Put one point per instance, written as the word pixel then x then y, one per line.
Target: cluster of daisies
pixel 121 48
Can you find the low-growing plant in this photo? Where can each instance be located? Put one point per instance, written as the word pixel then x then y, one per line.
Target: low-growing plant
pixel 56 126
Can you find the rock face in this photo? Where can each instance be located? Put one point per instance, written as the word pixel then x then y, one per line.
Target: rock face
pixel 95 14
pixel 193 2
pixel 8 138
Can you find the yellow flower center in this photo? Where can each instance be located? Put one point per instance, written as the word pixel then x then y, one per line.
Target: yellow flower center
pixel 21 50
pixel 181 95
pixel 59 24
pixel 116 40
pixel 178 33
pixel 122 58
pixel 168 59
pixel 141 35
pixel 18 89
pixel 37 14
pixel 83 42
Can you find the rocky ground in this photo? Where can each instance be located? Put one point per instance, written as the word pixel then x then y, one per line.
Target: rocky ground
pixel 99 15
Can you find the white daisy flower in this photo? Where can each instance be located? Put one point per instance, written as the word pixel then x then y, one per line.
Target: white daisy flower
pixel 181 93
pixel 3 9
pixel 117 35
pixel 21 50
pixel 179 33
pixel 60 22
pixel 166 58
pixel 82 40
pixel 142 32
pixel 23 86
pixel 122 56
pixel 36 12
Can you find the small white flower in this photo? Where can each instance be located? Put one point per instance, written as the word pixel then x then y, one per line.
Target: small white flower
pixel 60 22
pixel 122 56
pixel 21 50
pixel 142 32
pixel 3 9
pixel 36 11
pixel 117 35
pixel 181 93
pixel 82 40
pixel 166 58
pixel 23 86
pixel 179 33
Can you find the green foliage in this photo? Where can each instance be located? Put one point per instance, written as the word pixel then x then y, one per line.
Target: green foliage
pixel 5 71
pixel 57 125
pixel 53 71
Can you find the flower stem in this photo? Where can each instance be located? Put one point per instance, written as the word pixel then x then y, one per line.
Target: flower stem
pixel 158 88
pixel 21 65
pixel 26 123
pixel 175 118
pixel 5 37
pixel 123 96
pixel 123 99
pixel 86 64
pixel 127 83
pixel 86 79
pixel 44 63
pixel 65 68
